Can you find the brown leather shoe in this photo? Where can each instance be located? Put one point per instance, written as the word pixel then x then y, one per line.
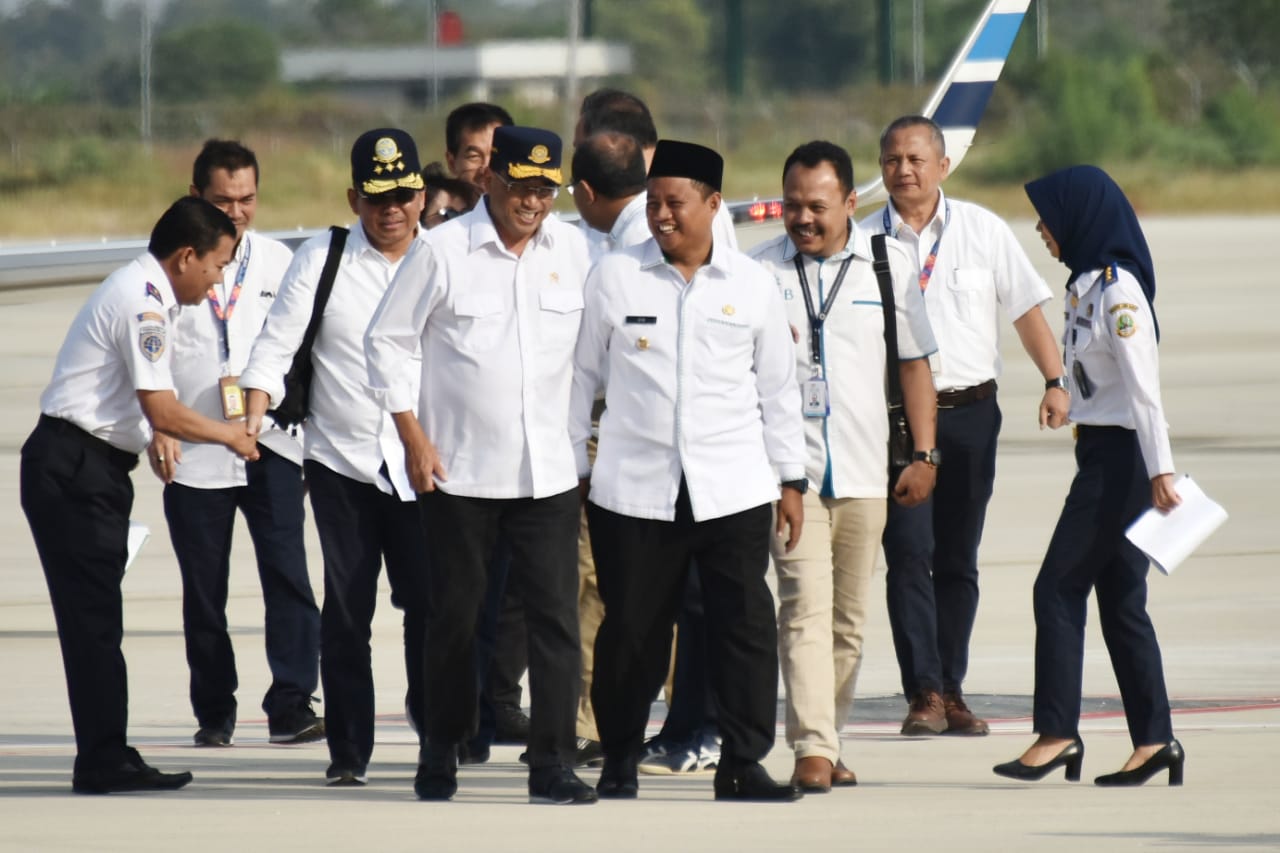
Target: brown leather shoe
pixel 843 776
pixel 927 715
pixel 812 774
pixel 960 720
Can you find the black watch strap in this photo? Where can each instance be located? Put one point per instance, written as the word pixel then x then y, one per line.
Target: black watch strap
pixel 1060 382
pixel 801 485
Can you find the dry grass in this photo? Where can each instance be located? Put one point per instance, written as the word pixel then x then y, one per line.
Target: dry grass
pixel 305 186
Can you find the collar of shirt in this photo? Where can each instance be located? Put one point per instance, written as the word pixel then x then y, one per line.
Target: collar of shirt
pixel 933 227
pixel 482 232
pixel 719 264
pixel 858 245
pixel 157 277
pixel 635 209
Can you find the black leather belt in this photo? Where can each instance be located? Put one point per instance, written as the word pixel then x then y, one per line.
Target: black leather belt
pixel 965 396
pixel 120 458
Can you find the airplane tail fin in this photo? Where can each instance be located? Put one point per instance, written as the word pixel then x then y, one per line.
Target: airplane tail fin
pixel 959 100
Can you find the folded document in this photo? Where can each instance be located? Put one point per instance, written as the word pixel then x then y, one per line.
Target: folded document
pixel 1168 539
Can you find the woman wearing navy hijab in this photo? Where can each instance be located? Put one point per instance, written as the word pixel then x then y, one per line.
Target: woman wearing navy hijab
pixel 1124 466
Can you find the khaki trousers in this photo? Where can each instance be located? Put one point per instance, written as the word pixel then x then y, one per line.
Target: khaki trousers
pixel 823 589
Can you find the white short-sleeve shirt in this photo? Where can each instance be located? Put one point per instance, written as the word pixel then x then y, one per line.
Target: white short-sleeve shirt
pixel 120 342
pixel 980 268
pixel 206 348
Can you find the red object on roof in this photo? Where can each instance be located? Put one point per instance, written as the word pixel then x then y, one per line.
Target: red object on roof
pixel 449 28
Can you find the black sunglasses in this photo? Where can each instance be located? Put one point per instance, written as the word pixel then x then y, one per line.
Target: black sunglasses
pixel 399 197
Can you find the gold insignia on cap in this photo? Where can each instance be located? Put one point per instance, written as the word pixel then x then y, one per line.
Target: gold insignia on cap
pixel 727 310
pixel 539 154
pixel 386 151
pixel 642 342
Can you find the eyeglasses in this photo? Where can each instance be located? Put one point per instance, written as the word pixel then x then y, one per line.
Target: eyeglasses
pixel 399 197
pixel 541 192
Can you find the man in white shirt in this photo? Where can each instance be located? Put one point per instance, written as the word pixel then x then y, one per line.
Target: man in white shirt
pixel 365 511
pixel 493 300
pixel 969 265
pixel 111 386
pixel 823 265
pixel 206 484
pixel 702 420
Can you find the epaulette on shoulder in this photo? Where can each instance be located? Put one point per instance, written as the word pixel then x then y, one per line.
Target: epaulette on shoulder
pixel 1110 275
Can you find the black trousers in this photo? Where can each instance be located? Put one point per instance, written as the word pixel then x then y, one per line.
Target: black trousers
pixel 200 526
pixel 692 715
pixel 360 527
pixel 77 495
pixel 542 533
pixel 1089 551
pixel 641 567
pixel 931 551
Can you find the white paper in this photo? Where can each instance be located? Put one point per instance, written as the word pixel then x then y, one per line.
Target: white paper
pixel 1167 540
pixel 139 533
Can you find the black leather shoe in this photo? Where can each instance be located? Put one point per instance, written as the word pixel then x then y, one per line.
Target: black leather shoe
pixel 511 724
pixel 133 774
pixel 437 777
pixel 1071 757
pixel 345 777
pixel 749 781
pixel 618 779
pixel 473 752
pixel 1171 756
pixel 559 785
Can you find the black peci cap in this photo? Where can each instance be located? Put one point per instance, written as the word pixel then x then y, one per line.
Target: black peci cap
pixel 673 159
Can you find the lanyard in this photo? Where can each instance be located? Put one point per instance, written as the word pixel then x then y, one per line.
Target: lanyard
pixel 816 320
pixel 225 316
pixel 926 272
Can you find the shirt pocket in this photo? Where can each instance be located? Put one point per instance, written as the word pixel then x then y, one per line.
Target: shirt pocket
pixel 559 317
pixel 729 345
pixel 480 320
pixel 971 288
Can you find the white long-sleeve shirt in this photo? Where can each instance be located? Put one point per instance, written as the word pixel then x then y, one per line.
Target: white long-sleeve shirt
pixel 497 333
pixel 848 449
pixel 1110 332
pixel 346 430
pixel 699 381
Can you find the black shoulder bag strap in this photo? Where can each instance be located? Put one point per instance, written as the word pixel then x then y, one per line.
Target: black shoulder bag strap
pixel 337 242
pixel 881 267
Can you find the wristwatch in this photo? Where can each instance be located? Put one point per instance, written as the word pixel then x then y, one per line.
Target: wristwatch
pixel 932 458
pixel 801 485
pixel 1060 382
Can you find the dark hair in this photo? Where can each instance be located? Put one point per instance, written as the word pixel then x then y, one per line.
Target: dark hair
pixel 811 154
pixel 221 154
pixel 435 180
pixel 469 118
pixel 190 222
pixel 904 122
pixel 619 111
pixel 612 163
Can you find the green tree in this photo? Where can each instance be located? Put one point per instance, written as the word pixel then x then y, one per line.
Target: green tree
pixel 669 42
pixel 1244 32
pixel 219 58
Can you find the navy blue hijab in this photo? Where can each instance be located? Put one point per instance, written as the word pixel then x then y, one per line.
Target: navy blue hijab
pixel 1094 225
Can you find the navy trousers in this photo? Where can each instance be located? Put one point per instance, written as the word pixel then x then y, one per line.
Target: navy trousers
pixel 462 536
pixel 360 528
pixel 1089 551
pixel 77 495
pixel 200 526
pixel 931 551
pixel 642 567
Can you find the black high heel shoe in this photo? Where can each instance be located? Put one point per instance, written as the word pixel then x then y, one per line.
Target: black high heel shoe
pixel 1170 756
pixel 1071 757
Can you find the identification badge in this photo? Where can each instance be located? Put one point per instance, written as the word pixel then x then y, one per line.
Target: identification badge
pixel 814 391
pixel 232 397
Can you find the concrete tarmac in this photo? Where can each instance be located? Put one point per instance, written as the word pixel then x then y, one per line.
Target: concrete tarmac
pixel 1217 618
